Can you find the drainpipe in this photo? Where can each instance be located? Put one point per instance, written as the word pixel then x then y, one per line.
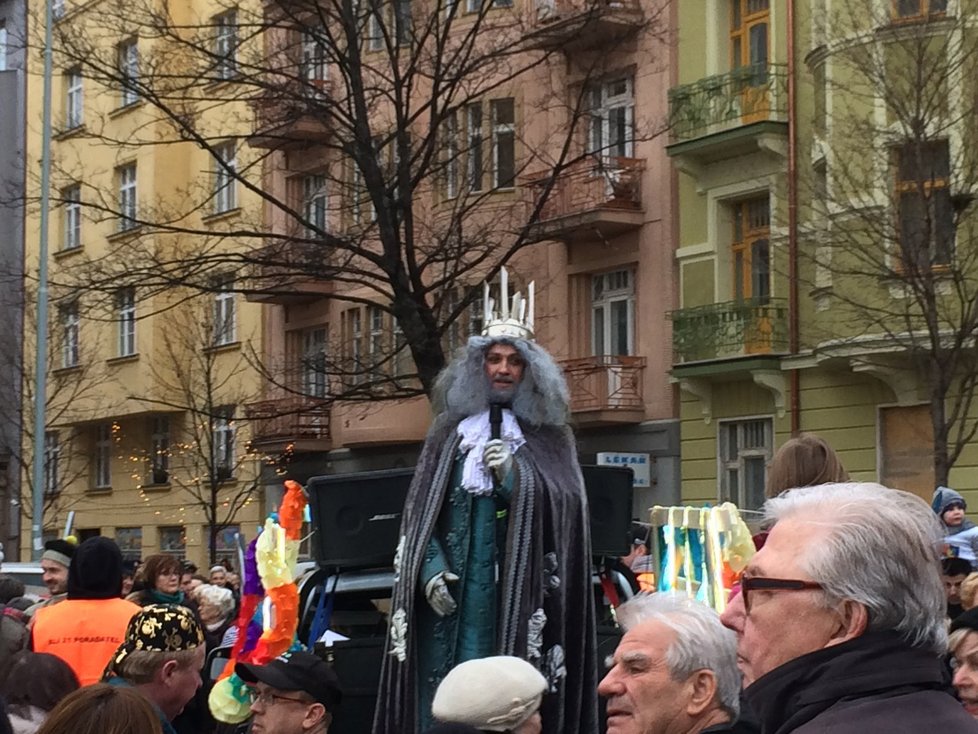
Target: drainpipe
pixel 793 337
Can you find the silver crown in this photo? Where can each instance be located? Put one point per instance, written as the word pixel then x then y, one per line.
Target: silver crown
pixel 515 317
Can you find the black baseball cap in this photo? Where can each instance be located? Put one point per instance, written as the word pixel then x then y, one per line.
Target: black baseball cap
pixel 296 671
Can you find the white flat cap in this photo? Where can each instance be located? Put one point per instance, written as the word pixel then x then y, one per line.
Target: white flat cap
pixel 492 694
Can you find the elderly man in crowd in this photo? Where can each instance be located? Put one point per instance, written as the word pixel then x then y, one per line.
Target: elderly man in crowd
pixel 161 657
pixel 297 693
pixel 674 672
pixel 840 620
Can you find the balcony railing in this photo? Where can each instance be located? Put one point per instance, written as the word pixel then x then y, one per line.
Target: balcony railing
pixel 605 383
pixel 290 116
pixel 291 418
pixel 749 94
pixel 286 272
pixel 732 329
pixel 575 24
pixel 603 193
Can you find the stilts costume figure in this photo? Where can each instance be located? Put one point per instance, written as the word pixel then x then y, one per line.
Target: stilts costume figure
pixel 494 556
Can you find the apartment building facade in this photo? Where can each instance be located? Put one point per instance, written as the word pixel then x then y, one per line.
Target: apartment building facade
pixel 148 375
pixel 545 152
pixel 825 239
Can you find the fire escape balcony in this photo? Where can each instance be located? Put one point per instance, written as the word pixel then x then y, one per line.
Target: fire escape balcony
pixel 732 114
pixel 606 390
pixel 574 25
pixel 720 331
pixel 297 420
pixel 594 198
pixel 290 116
pixel 285 273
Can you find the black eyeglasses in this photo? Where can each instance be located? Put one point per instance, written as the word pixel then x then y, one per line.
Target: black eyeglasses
pixel 267 698
pixel 750 583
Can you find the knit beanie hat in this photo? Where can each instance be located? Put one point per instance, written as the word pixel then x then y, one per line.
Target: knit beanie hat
pixel 96 570
pixel 944 496
pixel 59 551
pixel 491 694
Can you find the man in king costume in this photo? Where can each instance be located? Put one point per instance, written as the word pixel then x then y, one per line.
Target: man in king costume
pixel 495 550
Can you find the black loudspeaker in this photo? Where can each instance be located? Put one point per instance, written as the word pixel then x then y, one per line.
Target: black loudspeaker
pixel 609 497
pixel 357 517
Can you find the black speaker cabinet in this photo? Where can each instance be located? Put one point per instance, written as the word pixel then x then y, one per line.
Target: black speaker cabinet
pixel 357 517
pixel 609 496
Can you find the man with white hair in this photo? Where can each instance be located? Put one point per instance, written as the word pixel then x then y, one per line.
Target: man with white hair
pixel 840 619
pixel 674 672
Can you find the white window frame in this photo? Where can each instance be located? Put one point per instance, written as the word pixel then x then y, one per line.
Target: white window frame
pixel 606 102
pixel 607 290
pixel 475 162
pixel 129 71
pixel 503 134
pixel 451 156
pixel 70 333
pixel 128 197
pixel 314 383
pixel 315 71
pixel 74 99
pixel 355 325
pixel 52 459
pixel 226 45
pixel 71 201
pixel 375 336
pixel 222 440
pixel 315 203
pixel 159 460
pixel 225 182
pixel 102 476
pixel 727 463
pixel 225 327
pixel 3 45
pixel 375 32
pixel 126 320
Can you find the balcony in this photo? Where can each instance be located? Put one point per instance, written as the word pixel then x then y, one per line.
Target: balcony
pixel 285 273
pixel 289 117
pixel 298 420
pixel 728 330
pixel 594 198
pixel 605 390
pixel 730 114
pixel 574 25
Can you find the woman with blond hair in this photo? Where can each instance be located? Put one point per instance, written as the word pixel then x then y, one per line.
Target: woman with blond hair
pixel 803 461
pixel 103 709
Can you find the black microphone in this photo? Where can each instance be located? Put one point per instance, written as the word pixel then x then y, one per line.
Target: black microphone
pixel 495 420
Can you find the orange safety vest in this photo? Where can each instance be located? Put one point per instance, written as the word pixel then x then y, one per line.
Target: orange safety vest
pixel 83 632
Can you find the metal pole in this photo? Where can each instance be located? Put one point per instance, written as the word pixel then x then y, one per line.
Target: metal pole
pixel 41 356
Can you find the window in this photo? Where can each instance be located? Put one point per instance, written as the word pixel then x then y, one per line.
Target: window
pixel 225 542
pixel 925 213
pixel 375 32
pixel 613 313
pixel 173 541
pixel 314 363
pixel 73 99
pixel 611 118
pixel 129 71
pixel 225 166
pixel 222 440
pixel 71 203
pixel 451 156
pixel 226 44
pixel 3 45
pixel 503 143
pixel 159 459
pixel 353 324
pixel 130 542
pixel 125 302
pixel 474 6
pixel 52 455
pixel 126 176
pixel 751 250
pixel 57 9
pixel 314 204
pixel 474 161
pixel 376 353
pixel 918 9
pixel 314 68
pixel 749 21
pixel 224 321
pixel 745 449
pixel 70 327
pixel 103 456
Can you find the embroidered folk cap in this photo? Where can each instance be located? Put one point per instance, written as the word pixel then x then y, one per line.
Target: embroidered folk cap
pixel 296 671
pixel 492 694
pixel 159 628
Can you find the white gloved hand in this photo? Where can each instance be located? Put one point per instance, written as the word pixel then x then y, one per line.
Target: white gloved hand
pixel 498 458
pixel 437 593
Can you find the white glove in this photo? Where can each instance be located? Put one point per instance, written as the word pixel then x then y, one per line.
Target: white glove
pixel 437 593
pixel 498 458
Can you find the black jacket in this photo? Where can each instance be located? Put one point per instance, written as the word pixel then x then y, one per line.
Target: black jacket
pixel 875 683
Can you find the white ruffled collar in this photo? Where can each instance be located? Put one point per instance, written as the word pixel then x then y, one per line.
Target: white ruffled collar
pixel 474 430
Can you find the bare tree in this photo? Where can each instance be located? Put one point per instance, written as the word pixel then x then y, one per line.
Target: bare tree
pixel 399 126
pixel 888 230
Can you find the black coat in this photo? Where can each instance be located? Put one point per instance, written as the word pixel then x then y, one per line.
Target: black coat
pixel 875 683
